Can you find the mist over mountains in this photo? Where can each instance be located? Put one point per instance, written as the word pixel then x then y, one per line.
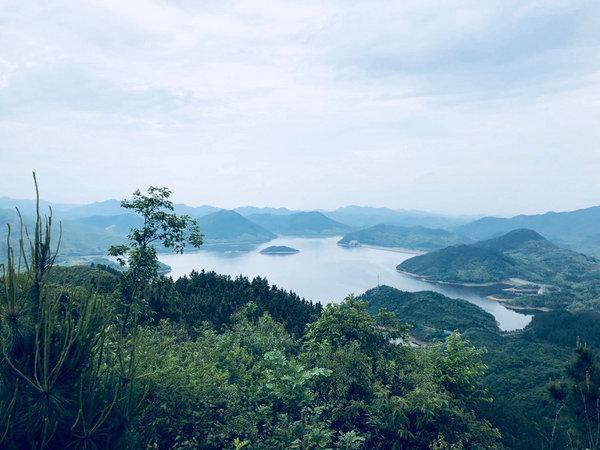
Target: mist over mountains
pixel 92 226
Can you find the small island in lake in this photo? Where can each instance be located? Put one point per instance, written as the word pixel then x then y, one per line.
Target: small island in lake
pixel 279 250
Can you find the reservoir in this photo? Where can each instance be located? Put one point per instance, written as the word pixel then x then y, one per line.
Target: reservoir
pixel 325 272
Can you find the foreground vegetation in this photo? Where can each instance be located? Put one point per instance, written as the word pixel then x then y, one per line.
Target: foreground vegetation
pixel 520 364
pixel 94 358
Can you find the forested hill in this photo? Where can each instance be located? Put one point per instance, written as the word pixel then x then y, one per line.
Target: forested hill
pixel 412 238
pixel 431 315
pixel 309 223
pixel 578 229
pixel 520 253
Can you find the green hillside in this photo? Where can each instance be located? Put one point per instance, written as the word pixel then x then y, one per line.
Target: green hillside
pixel 413 238
pixel 518 254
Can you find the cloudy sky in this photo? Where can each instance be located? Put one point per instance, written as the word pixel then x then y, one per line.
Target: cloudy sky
pixel 450 106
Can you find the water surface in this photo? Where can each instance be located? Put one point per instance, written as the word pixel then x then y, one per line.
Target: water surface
pixel 326 272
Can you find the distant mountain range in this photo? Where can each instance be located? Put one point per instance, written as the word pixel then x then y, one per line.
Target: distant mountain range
pixel 311 223
pixel 578 230
pixel 411 238
pixel 248 210
pixel 366 216
pixel 89 227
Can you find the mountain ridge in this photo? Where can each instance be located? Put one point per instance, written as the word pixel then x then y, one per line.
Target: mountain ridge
pixel 412 238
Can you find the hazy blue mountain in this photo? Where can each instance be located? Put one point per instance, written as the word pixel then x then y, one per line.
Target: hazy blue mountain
pixel 113 208
pixel 413 238
pixel 110 207
pixel 520 253
pixel 227 226
pixel 195 211
pixel 85 236
pixel 249 210
pixel 8 216
pixel 311 223
pixel 118 224
pixel 366 216
pixel 579 230
pixel 27 206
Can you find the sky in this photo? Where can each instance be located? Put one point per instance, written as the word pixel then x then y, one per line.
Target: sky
pixel 463 107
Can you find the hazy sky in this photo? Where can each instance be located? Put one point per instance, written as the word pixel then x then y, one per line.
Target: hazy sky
pixel 450 106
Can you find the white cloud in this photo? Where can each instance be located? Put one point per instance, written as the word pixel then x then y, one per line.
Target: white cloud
pixel 458 106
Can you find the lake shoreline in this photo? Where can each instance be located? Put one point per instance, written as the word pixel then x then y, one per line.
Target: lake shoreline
pixel 450 283
pixel 506 303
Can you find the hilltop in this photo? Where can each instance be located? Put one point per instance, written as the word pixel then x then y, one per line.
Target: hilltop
pixel 542 274
pixel 412 238
pixel 227 226
pixel 518 254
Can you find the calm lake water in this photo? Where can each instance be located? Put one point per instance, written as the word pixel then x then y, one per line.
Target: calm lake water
pixel 326 272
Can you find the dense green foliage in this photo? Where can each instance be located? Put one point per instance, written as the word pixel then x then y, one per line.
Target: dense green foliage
pixel 343 385
pixel 413 238
pixel 566 328
pixel 207 297
pixel 578 394
pixel 520 364
pixel 309 223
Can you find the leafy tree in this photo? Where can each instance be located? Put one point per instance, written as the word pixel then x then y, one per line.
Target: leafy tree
pixel 161 226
